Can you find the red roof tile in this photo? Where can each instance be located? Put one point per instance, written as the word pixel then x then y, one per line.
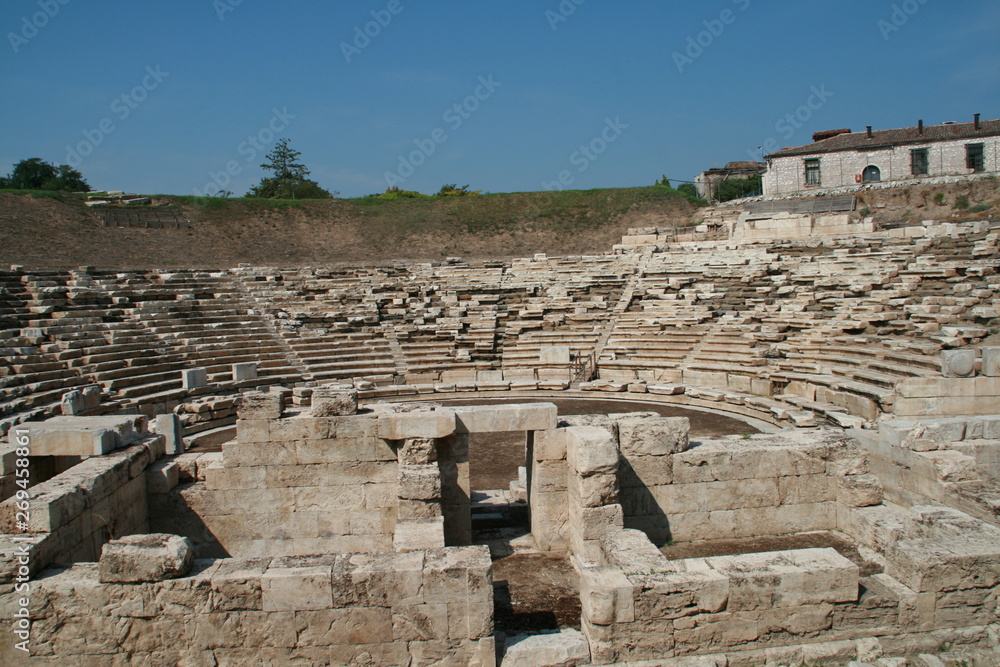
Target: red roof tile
pixel 859 141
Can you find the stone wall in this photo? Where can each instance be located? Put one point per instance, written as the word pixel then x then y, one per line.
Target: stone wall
pixel 939 586
pixel 638 605
pixel 723 488
pixel 777 226
pixel 428 607
pixel 954 461
pixel 947 396
pixel 294 485
pixel 72 515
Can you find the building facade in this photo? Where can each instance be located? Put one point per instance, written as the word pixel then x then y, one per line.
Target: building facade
pixel 841 158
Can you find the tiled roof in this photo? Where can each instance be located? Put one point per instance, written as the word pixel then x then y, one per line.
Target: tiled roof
pixel 888 138
pixel 739 168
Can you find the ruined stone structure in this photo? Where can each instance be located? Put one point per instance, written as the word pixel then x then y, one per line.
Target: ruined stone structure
pixel 334 527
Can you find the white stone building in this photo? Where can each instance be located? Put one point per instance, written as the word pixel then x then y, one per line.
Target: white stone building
pixel 841 158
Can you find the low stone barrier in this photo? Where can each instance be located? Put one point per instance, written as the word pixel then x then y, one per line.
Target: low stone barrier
pixel 375 609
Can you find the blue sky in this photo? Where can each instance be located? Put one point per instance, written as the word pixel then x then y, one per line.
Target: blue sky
pixel 646 87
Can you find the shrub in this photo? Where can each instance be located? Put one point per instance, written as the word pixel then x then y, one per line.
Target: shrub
pixel 962 201
pixel 939 198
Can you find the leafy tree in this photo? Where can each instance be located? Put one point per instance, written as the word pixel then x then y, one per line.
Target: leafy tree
pixel 37 174
pixel 664 181
pixel 452 190
pixel 735 188
pixel 289 180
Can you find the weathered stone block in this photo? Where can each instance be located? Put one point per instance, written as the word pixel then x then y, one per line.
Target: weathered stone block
pixel 420 422
pixel 419 482
pixel 566 647
pixel 260 405
pixel 591 450
pixel 657 436
pixel 505 418
pixel 147 557
pixel 169 426
pixel 417 535
pixel 859 490
pixel 194 378
pixel 334 401
pixel 646 471
pixel 83 436
pixel 554 356
pixel 595 490
pixel 72 403
pixel 300 429
pixel 418 510
pixel 91 397
pixel 787 579
pixel 991 361
pixel 606 596
pixel 297 588
pixel 162 476
pixel 550 445
pixel 593 522
pixel 418 451
pixel 245 371
pixel 419 621
pixel 692 588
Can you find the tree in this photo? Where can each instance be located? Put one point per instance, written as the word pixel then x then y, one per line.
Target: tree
pixel 664 181
pixel 736 188
pixel 37 174
pixel 289 180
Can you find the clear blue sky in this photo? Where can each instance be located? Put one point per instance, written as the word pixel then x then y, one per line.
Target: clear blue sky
pixel 225 66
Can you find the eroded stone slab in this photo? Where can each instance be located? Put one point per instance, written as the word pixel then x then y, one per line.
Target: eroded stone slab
pixel 149 557
pixel 83 436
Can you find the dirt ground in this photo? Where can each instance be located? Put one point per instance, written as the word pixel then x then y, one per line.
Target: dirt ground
pixel 533 592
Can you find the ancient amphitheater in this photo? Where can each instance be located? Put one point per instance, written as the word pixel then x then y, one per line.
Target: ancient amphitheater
pixel 336 523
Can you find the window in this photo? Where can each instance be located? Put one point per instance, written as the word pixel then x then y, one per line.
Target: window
pixel 918 162
pixel 812 171
pixel 974 157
